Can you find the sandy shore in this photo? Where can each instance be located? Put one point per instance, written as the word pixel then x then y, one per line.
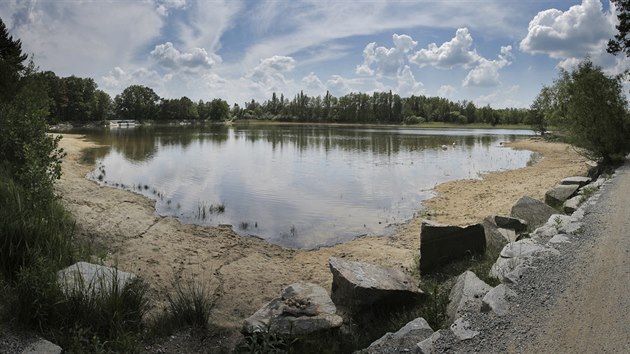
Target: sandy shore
pixel 243 273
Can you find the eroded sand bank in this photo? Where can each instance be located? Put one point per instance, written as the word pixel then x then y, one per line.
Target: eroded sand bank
pixel 243 273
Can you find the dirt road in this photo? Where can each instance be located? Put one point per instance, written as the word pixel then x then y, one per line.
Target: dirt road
pixel 593 313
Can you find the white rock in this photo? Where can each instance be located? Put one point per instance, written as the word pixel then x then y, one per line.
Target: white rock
pixel 461 329
pixel 559 239
pixel 496 300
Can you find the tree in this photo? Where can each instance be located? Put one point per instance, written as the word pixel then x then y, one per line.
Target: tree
pixel 621 42
pixel 137 102
pixel 11 64
pixel 590 108
pixel 219 110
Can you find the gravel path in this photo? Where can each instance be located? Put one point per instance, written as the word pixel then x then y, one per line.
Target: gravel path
pixel 575 302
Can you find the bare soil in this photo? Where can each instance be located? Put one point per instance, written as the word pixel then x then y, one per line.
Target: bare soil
pixel 242 272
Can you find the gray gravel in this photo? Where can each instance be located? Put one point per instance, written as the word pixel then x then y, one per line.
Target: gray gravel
pixel 538 292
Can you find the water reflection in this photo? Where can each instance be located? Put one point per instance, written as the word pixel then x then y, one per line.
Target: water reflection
pixel 297 186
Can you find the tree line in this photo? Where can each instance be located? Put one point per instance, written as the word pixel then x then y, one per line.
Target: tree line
pixel 78 99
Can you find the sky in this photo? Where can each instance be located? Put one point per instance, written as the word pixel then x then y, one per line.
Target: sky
pixel 496 52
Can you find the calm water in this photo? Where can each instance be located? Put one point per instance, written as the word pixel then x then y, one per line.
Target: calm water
pixel 296 186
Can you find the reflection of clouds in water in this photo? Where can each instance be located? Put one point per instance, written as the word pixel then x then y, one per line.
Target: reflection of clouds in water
pixel 308 189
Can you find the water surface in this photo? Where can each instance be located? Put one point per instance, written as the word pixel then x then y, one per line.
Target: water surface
pixel 297 186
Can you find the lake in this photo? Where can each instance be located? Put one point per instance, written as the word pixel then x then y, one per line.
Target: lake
pixel 296 186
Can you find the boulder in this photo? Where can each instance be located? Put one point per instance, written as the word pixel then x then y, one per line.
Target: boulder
pixel 507 222
pixel 83 276
pixel 571 205
pixel 497 300
pixel 564 224
pixel 303 308
pixel 462 330
pixel 559 239
pixel 42 346
pixel 516 274
pixel 514 255
pixel 440 244
pixel 427 346
pixel 358 284
pixel 495 236
pixel 533 211
pixel 577 180
pixel 403 341
pixel 466 295
pixel 557 195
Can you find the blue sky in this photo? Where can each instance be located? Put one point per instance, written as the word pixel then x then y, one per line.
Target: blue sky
pixel 497 52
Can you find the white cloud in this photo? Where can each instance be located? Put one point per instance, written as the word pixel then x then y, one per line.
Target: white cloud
pixel 273 68
pixel 456 52
pixel 313 84
pixel 338 85
pixel 165 6
pixel 169 57
pixel 446 91
pixel 486 73
pixel 118 79
pixel 407 84
pixel 385 61
pixel 502 98
pixel 571 34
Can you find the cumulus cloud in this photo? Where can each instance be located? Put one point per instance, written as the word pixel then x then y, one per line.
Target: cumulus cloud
pixel 570 34
pixel 165 6
pixel 446 91
pixel 407 84
pixel 313 84
pixel 486 73
pixel 456 52
pixel 385 61
pixel 169 57
pixel 272 69
pixel 118 79
pixel 338 85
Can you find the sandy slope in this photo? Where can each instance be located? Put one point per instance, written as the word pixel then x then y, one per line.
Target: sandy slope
pixel 244 273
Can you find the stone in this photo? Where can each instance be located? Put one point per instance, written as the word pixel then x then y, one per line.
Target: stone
pixel 564 224
pixel 497 300
pixel 557 195
pixel 515 254
pixel 303 308
pixel 559 239
pixel 495 236
pixel 507 222
pixel 358 284
pixel 92 277
pixel 577 180
pixel 571 205
pixel 42 346
pixel 516 274
pixel 462 330
pixel 466 295
pixel 440 244
pixel 533 211
pixel 404 340
pixel 427 346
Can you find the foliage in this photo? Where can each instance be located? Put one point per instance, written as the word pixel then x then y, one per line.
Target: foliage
pixel 11 64
pixel 264 340
pixel 621 42
pixel 84 318
pixel 590 108
pixel 137 102
pixel 189 305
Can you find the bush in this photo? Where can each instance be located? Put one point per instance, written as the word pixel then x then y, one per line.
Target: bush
pixel 32 230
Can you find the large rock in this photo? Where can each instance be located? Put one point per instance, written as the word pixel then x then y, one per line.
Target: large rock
pixel 557 195
pixel 427 346
pixel 533 211
pixel 358 284
pixel 404 340
pixel 515 255
pixel 92 278
pixel 466 295
pixel 495 236
pixel 440 244
pixel 497 300
pixel 42 346
pixel 303 308
pixel 571 205
pixel 462 329
pixel 507 222
pixel 578 180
